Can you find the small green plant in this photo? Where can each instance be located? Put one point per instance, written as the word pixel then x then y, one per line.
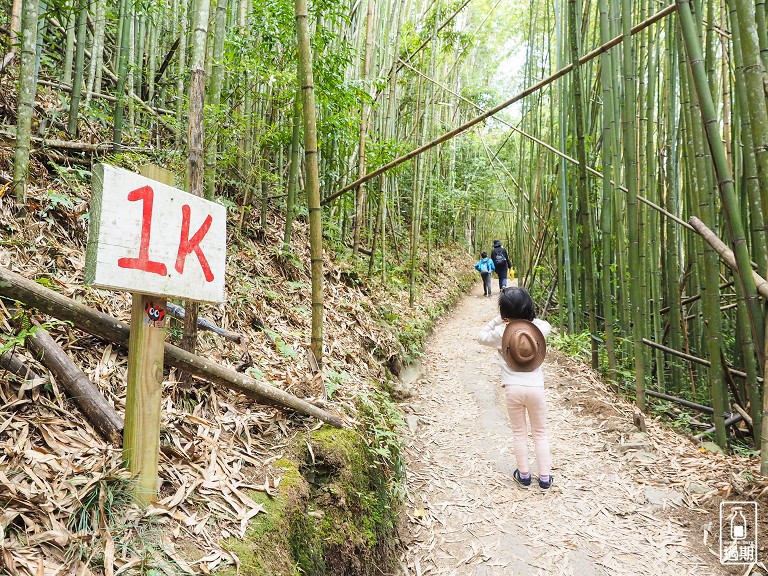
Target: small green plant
pixel 26 330
pixel 744 449
pixel 333 380
pixel 383 421
pixel 575 345
pixel 110 496
pixel 286 349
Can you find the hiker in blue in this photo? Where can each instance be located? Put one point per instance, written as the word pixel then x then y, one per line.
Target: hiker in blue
pixel 485 267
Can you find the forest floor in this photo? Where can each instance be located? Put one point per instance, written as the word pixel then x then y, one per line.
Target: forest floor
pixel 622 502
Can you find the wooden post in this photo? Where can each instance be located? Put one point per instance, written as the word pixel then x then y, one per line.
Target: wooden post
pixel 141 435
pixel 143 400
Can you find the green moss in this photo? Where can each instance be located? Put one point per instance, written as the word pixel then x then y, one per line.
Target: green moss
pixel 264 549
pixel 358 509
pixel 335 512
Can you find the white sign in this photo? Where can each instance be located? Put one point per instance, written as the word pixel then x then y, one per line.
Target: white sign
pixel 151 238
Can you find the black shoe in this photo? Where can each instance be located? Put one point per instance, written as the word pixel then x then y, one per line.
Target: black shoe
pixel 545 485
pixel 524 482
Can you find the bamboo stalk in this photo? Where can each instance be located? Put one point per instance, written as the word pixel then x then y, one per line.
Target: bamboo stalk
pixel 690 357
pixel 681 401
pixel 306 83
pixel 726 254
pixel 724 178
pixel 26 101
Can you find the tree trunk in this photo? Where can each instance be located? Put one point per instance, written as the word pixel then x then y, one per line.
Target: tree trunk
pixel 214 100
pixel 97 53
pixel 584 210
pixel 26 102
pixel 69 46
pixel 122 73
pixel 630 156
pixel 196 135
pixel 16 18
pixel 606 212
pixel 724 179
pixel 181 69
pixel 746 42
pixel 293 171
pixel 77 83
pixel 364 112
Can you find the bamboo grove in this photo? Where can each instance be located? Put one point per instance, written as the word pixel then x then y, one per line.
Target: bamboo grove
pixel 618 148
pixel 647 218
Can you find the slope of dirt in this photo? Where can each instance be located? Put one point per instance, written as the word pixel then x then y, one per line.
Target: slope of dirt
pixel 623 503
pixel 65 495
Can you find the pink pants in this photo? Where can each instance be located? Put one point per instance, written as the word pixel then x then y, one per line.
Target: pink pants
pixel 530 398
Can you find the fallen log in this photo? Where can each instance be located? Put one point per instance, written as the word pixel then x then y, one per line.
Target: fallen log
pixel 692 358
pixel 731 421
pixel 15 365
pixel 77 386
pixel 73 145
pixel 17 287
pixel 682 401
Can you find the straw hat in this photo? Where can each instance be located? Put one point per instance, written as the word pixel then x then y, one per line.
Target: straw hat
pixel 523 346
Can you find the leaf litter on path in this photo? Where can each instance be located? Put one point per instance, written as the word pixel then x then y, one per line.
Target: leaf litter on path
pixel 623 503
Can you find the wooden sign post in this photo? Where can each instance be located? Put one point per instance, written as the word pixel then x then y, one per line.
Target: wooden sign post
pixel 155 241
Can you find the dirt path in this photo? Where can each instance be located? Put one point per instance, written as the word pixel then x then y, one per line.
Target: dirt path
pixel 623 503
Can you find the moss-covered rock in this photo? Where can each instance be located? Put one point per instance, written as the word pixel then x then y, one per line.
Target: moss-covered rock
pixel 354 507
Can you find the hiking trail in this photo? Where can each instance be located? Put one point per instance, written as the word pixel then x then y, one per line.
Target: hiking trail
pixel 622 502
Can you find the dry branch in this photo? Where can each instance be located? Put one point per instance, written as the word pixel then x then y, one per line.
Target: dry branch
pixel 17 287
pixel 71 144
pixel 179 313
pixel 726 254
pixel 77 386
pixel 681 401
pixel 691 358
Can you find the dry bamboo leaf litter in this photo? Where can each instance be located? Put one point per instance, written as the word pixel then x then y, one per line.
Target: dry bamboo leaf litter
pixel 608 510
pixel 59 478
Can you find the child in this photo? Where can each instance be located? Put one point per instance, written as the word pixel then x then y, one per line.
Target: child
pixel 520 340
pixel 485 267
